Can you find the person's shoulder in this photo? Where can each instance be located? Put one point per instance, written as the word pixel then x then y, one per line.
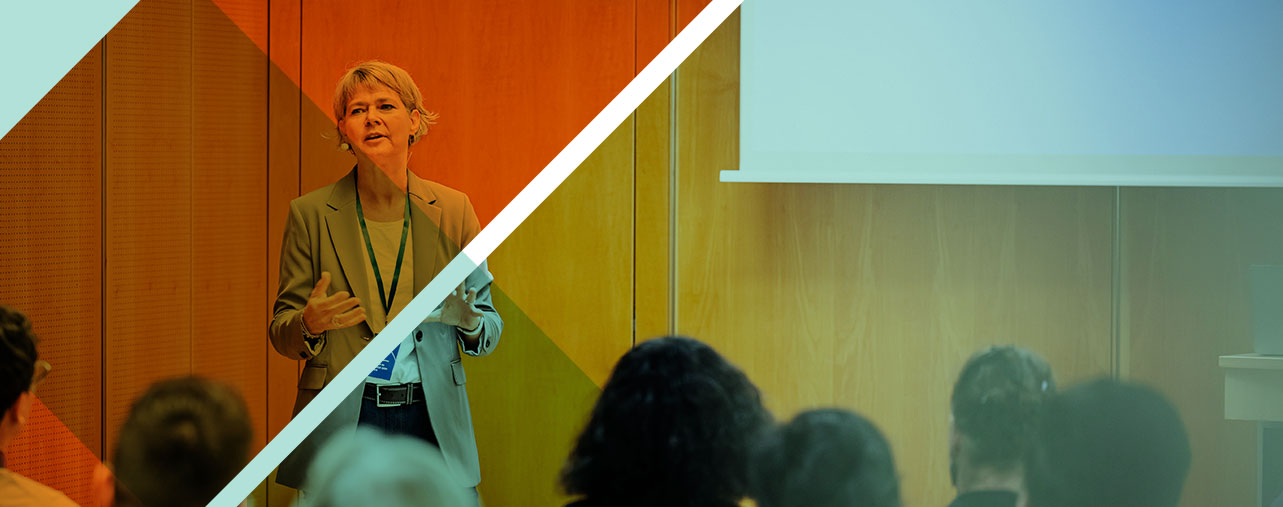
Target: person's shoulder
pixel 21 491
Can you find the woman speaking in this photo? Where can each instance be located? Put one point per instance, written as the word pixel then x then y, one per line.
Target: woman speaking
pixel 355 253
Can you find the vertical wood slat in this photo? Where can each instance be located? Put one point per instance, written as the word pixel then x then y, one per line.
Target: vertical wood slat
pixel 652 215
pixel 148 195
pixel 652 172
pixel 653 27
pixel 283 131
pixel 229 175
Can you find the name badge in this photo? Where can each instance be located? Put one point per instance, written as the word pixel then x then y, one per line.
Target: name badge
pixel 384 369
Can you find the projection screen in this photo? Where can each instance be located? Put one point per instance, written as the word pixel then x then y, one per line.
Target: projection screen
pixel 1090 92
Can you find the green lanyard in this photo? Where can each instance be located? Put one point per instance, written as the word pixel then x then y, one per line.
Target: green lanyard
pixel 386 299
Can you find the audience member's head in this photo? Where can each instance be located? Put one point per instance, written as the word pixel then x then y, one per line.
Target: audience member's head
pixel 673 427
pixel 825 458
pixel 369 466
pixel 995 409
pixel 17 371
pixel 1108 444
pixel 20 371
pixel 182 442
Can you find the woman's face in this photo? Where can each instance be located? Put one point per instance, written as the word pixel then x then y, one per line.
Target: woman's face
pixel 377 124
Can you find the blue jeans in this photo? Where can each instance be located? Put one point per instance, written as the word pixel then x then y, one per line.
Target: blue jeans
pixel 409 419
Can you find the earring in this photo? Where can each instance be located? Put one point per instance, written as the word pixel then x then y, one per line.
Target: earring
pixel 344 146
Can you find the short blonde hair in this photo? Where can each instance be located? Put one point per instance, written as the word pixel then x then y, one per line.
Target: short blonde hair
pixel 375 72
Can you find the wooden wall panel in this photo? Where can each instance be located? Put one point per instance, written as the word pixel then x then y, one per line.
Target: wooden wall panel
pixel 148 202
pixel 229 178
pixel 50 264
pixel 654 26
pixel 1185 255
pixel 872 297
pixel 513 82
pixel 686 10
pixel 652 213
pixel 569 265
pixel 249 17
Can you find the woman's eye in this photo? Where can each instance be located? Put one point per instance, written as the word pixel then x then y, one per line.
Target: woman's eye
pixel 356 110
pixel 387 107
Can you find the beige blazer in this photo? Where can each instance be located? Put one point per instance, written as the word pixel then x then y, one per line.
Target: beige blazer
pixel 323 234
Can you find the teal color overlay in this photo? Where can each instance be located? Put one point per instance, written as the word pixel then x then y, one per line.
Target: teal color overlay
pixel 42 41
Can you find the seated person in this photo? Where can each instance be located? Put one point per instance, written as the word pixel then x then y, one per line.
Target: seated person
pixel 182 442
pixel 20 371
pixel 825 458
pixel 993 414
pixel 672 427
pixel 390 470
pixel 1108 444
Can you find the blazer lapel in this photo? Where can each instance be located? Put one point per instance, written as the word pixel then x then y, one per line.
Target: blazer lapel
pixel 425 220
pixel 345 235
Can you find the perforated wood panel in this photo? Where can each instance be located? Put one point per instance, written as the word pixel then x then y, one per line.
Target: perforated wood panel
pixel 148 226
pixel 283 185
pixel 50 260
pixel 229 202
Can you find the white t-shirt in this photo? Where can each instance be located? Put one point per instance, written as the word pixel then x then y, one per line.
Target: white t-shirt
pixel 19 491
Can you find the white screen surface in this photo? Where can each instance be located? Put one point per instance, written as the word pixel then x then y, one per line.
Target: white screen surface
pixel 1093 92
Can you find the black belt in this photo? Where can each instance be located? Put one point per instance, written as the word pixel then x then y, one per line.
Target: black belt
pixel 393 395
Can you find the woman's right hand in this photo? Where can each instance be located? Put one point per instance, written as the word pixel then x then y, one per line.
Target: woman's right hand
pixel 337 311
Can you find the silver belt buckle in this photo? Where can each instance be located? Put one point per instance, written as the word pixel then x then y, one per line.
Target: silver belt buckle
pixel 378 398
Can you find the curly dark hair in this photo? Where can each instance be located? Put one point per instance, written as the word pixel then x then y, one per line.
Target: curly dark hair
pixel 825 458
pixel 183 441
pixel 1108 444
pixel 17 355
pixel 997 401
pixel 672 427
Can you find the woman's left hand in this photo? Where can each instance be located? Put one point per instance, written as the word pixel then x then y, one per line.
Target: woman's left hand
pixel 458 310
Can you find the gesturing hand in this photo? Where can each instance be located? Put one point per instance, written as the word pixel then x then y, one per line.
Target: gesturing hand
pixel 336 311
pixel 458 309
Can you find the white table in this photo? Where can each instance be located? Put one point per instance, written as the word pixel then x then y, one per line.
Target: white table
pixel 1254 392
